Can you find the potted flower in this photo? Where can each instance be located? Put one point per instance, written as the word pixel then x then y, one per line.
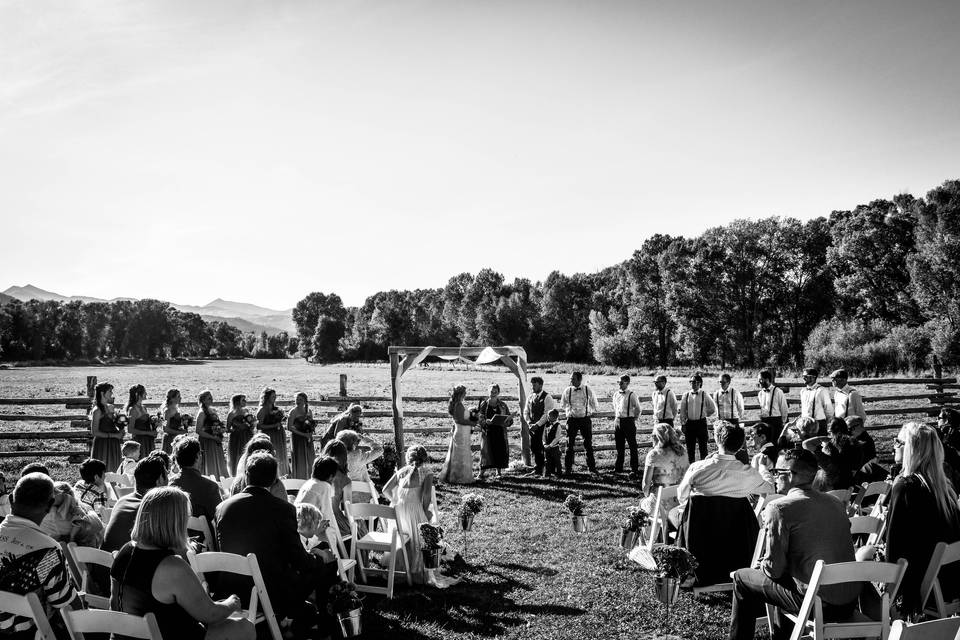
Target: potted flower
pixel 632 528
pixel 470 505
pixel 576 506
pixel 431 544
pixel 345 602
pixel 674 566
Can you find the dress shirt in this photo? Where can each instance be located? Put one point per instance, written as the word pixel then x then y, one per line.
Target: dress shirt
pixel 664 405
pixel 696 405
pixel 578 402
pixel 815 403
pixel 548 404
pixel 626 405
pixel 773 403
pixel 847 402
pixel 729 404
pixel 721 474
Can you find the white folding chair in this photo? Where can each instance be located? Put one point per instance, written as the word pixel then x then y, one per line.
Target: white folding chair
pixel 878 489
pixel 394 540
pixel 762 503
pixel 218 561
pixel 82 557
pixel 660 523
pixel 857 625
pixel 201 524
pixel 121 624
pixel 866 525
pixel 28 606
pixel 118 485
pixel 947 629
pixel 943 554
pixel 292 487
pixel 345 564
pixel 226 484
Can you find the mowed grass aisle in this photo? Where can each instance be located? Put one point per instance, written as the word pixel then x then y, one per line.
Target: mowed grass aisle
pixel 527 574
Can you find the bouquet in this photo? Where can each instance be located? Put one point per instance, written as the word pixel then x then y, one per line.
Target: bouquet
pixel 470 505
pixel 431 536
pixel 306 423
pixel 217 427
pixel 343 598
pixel 575 504
pixel 120 421
pixel 673 562
pixel 636 519
pixel 156 421
pixel 186 421
pixel 275 416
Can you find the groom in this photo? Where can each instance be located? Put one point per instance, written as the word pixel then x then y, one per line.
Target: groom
pixel 536 412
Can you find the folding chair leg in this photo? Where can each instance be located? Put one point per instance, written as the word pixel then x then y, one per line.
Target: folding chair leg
pixel 406 565
pixel 390 573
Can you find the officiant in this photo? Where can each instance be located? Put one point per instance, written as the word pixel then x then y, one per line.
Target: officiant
pixel 493 418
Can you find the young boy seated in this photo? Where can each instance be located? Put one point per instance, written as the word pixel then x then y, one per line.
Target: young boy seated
pixel 310 525
pixel 90 488
pixel 131 454
pixel 553 436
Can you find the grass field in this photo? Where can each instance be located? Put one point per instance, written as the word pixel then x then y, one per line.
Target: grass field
pixel 525 573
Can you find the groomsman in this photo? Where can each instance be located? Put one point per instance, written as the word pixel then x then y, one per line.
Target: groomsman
pixel 773 404
pixel 626 408
pixel 664 402
pixel 579 403
pixel 729 401
pixel 695 406
pixel 847 400
pixel 815 401
pixel 537 414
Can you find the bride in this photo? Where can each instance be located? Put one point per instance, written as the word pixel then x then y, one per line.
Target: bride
pixel 458 466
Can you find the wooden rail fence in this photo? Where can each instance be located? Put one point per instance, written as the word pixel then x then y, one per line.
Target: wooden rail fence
pixel 75 411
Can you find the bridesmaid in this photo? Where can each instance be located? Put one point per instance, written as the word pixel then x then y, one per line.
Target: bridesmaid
pixel 210 431
pixel 270 421
pixel 240 426
pixel 301 424
pixel 458 466
pixel 140 427
pixel 494 448
pixel 173 422
pixel 106 433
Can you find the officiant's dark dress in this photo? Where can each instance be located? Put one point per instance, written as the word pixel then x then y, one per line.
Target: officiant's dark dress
pixel 494 449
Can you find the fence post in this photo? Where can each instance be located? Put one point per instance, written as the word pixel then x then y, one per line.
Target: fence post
pixel 343 384
pixel 938 374
pixel 91 386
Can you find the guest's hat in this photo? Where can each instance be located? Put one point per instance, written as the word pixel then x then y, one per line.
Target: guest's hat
pixel 839 373
pixel 811 372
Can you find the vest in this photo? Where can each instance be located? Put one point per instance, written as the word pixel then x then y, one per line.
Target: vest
pixel 537 406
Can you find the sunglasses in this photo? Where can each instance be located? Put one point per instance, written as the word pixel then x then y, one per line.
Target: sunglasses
pixel 898 443
pixel 780 471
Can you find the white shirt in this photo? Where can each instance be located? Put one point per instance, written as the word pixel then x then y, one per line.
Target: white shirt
pixel 773 403
pixel 696 405
pixel 848 402
pixel 664 405
pixel 625 405
pixel 578 402
pixel 815 403
pixel 721 474
pixel 548 404
pixel 319 494
pixel 729 404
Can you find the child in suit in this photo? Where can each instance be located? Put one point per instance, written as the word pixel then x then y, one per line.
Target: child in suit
pixel 552 439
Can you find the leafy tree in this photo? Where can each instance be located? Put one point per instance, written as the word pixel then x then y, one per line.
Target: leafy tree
pixel 326 339
pixel 307 314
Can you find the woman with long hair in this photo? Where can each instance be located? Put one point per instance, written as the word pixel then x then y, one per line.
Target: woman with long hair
pixel 107 432
pixel 210 430
pixel 139 420
pixel 838 455
pixel 240 428
pixel 458 465
pixel 150 575
pixel 666 462
pixel 494 446
pixel 301 424
pixel 270 420
pixel 173 421
pixel 923 511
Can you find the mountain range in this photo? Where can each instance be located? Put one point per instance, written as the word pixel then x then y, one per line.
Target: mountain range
pixel 243 315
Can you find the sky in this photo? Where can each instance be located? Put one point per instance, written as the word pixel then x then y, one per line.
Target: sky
pixel 257 150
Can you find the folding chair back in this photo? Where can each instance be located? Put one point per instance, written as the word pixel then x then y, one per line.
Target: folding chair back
pixel 345 564
pixel 943 554
pixel 201 524
pixel 226 484
pixel 82 557
pixel 393 540
pixel 118 479
pixel 843 495
pixel 947 629
pixel 660 524
pixel 221 562
pixel 762 504
pixel 878 489
pixel 122 624
pixel 28 606
pixel 292 487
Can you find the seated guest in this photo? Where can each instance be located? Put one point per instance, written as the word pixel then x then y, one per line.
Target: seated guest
pixel 4 497
pixel 67 521
pixel 34 467
pixel 666 462
pixel 204 493
pixel 254 521
pixel 838 455
pixel 150 575
pixel 948 424
pixel 262 443
pixel 361 451
pixel 871 470
pixel 765 458
pixel 131 455
pixel 91 490
pixel 793 435
pixel 318 490
pixel 923 511
pixel 720 474
pixel 801 528
pixel 310 525
pixel 30 560
pixel 150 473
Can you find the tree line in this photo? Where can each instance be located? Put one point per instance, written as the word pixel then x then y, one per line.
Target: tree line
pixel 876 288
pixel 141 329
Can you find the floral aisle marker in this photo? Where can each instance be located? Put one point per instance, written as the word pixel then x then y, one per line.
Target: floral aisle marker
pixel 346 604
pixel 576 506
pixel 674 565
pixel 431 544
pixel 470 505
pixel 632 528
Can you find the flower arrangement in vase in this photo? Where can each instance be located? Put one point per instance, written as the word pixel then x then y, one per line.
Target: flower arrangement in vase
pixel 576 506
pixel 345 603
pixel 470 505
pixel 632 527
pixel 431 544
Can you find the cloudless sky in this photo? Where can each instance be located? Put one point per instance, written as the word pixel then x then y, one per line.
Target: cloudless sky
pixel 257 150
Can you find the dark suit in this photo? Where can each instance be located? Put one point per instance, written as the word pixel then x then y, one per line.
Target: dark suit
pixel 204 493
pixel 254 521
pixel 122 517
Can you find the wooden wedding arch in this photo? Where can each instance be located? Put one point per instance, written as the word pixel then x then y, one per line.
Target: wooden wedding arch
pixel 404 358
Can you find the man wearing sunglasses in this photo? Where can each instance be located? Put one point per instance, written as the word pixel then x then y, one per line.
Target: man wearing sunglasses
pixel 801 528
